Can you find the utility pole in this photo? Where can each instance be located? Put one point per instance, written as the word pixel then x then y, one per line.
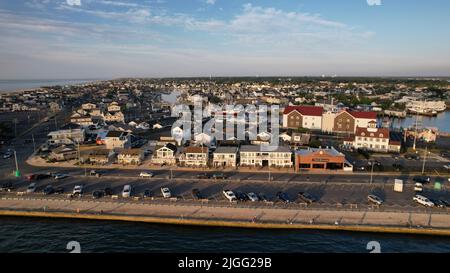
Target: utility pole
pixel 424 159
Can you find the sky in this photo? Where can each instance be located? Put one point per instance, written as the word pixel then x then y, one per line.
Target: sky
pixel 80 39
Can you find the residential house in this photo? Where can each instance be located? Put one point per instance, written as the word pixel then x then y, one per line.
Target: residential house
pixel 114 107
pixel 255 156
pixel 309 117
pixel 63 153
pixel 113 117
pixel 195 156
pixel 165 155
pixel 69 136
pixel 225 156
pixel 97 156
pixel 118 140
pixel 130 156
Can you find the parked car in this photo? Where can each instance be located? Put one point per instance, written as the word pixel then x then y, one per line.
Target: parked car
pixel 147 194
pixel 166 192
pixel 229 195
pixel 126 192
pixel 60 176
pixel 306 197
pixel 445 202
pixel 31 188
pixel 422 179
pixel 48 190
pixel 203 176
pixel 95 173
pixel 412 157
pixel 59 190
pixel 108 191
pixel 252 196
pixel 219 176
pixel 146 174
pixel 240 196
pixel 7 155
pixel 418 187
pixel 77 190
pixel 97 194
pixel 283 197
pixel 438 203
pixel 422 200
pixel 263 197
pixel 6 187
pixel 372 198
pixel 196 194
pixel 397 166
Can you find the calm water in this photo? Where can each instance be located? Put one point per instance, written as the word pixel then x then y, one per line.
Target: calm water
pixel 442 121
pixel 50 235
pixel 13 85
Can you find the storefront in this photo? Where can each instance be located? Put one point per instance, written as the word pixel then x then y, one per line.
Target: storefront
pixel 320 159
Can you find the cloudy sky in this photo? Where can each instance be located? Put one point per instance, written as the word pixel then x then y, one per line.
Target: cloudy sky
pixel 62 39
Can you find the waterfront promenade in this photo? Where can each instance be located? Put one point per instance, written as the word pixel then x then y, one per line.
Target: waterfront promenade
pixel 230 216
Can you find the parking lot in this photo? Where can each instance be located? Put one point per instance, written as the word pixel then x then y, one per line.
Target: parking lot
pixel 327 195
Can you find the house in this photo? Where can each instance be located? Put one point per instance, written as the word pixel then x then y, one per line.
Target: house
pixel 309 117
pixel 84 120
pixel 194 156
pixel 117 140
pixel 321 159
pixel 63 153
pixel 130 157
pixel 254 156
pixel 371 138
pixel 113 117
pixel 97 156
pixel 114 107
pixel 300 139
pixel 69 136
pixel 165 155
pixel 225 156
pixel 347 121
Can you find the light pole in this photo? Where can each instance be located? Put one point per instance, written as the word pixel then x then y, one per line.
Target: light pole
pixel 17 172
pixel 34 143
pixel 424 159
pixel 371 172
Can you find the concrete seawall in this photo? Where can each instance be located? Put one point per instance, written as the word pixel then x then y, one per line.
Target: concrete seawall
pixel 237 217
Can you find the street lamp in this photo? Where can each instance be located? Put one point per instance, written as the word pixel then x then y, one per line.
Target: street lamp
pixel 16 172
pixel 424 159
pixel 371 171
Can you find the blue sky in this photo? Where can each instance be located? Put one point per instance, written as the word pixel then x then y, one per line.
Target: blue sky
pixel 165 38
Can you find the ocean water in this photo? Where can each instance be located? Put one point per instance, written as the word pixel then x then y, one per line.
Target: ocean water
pixel 14 85
pixel 52 235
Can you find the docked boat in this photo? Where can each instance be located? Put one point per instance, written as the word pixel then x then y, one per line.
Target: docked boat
pixel 426 108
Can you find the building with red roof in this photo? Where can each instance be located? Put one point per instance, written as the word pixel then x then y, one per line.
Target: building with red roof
pixel 304 116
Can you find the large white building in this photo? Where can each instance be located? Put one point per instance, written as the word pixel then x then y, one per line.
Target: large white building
pixel 70 136
pixel 309 117
pixel 254 156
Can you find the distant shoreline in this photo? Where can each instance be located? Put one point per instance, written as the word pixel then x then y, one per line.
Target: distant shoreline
pixel 28 85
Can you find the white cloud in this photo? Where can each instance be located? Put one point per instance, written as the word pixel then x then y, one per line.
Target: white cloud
pixel 73 2
pixel 210 2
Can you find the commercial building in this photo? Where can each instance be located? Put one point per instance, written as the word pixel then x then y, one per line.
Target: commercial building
pixel 255 156
pixel 321 159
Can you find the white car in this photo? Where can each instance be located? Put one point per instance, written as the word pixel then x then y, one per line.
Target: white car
pixel 60 176
pixel 371 198
pixel 166 192
pixel 78 189
pixel 423 200
pixel 252 197
pixel 126 192
pixel 229 195
pixel 31 188
pixel 418 187
pixel 146 174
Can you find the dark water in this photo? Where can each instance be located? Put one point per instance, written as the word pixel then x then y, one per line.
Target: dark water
pixel 52 235
pixel 13 85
